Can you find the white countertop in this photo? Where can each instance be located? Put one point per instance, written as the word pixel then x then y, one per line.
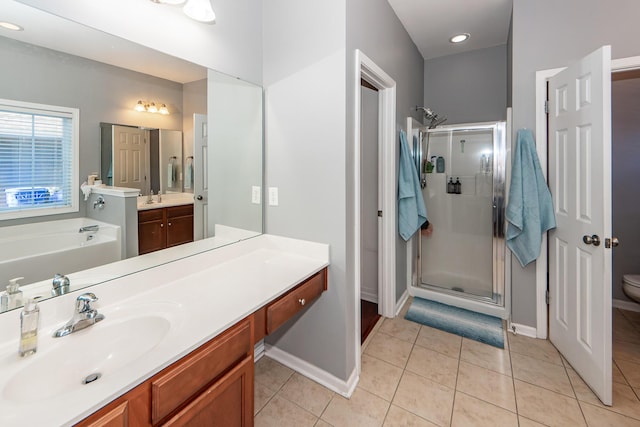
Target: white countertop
pixel 201 295
pixel 167 200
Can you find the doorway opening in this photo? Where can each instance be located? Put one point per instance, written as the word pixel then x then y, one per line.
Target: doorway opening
pixel 366 69
pixel 370 221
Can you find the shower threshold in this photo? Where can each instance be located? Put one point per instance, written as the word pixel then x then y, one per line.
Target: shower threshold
pixel 459 292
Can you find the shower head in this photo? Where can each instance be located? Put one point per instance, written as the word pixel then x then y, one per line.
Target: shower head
pixel 430 115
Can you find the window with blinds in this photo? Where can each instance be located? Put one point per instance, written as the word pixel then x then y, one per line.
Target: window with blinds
pixel 38 159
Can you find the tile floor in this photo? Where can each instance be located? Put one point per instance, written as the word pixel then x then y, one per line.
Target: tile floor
pixel 414 375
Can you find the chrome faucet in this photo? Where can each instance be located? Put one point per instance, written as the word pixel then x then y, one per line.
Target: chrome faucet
pixel 83 317
pixel 99 203
pixel 60 284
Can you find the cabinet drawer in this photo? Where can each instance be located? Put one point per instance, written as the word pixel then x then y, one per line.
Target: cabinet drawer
pixel 150 215
pixel 174 387
pixel 226 403
pixel 287 306
pixel 184 210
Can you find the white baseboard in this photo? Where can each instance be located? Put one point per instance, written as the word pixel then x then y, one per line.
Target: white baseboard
pixel 401 302
pixel 258 350
pixel 343 388
pixel 369 296
pixel 626 305
pixel 527 331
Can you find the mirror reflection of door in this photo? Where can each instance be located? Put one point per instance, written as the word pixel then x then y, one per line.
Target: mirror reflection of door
pixel 130 150
pixel 200 178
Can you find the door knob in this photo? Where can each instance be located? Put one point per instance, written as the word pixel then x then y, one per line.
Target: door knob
pixel 612 242
pixel 591 240
pixel 199 197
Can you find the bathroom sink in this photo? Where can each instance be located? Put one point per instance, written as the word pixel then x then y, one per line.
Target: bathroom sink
pixel 97 351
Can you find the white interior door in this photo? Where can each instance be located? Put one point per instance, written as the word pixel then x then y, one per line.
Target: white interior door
pixel 580 181
pixel 200 177
pixel 130 153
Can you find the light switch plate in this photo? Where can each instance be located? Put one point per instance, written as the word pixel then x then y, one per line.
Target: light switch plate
pixel 255 195
pixel 273 196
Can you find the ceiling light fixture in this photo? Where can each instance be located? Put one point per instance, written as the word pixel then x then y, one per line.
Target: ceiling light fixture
pixel 198 10
pixel 459 38
pixel 151 107
pixel 11 26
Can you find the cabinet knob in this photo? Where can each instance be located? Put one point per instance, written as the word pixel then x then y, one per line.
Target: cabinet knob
pixel 199 197
pixel 169 224
pixel 161 225
pixel 302 301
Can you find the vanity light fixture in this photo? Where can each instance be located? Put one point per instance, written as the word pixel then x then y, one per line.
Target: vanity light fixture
pixel 151 107
pixel 140 106
pixel 459 38
pixel 11 26
pixel 198 10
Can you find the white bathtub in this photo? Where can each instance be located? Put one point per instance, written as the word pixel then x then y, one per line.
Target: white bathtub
pixel 38 251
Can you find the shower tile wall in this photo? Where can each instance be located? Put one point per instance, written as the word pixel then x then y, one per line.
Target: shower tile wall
pixel 459 253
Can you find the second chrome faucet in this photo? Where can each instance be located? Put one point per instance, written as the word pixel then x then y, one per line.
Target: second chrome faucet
pixel 83 316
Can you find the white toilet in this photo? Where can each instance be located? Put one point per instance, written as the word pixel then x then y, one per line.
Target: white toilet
pixel 631 286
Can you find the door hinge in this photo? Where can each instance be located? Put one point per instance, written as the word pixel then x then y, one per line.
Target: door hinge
pixel 546 106
pixel 547 297
pixel 380 214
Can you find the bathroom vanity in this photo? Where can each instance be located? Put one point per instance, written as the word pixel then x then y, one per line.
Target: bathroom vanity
pixel 176 346
pixel 166 223
pixel 215 381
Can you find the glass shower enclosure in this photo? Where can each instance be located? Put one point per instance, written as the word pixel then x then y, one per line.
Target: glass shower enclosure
pixel 463 259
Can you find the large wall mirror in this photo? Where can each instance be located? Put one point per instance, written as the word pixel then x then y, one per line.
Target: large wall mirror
pixel 209 147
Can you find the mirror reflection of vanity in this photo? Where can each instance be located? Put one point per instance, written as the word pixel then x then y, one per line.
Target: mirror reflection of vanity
pixel 226 162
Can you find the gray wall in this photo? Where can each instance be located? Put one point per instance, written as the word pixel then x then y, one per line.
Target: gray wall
pixel 304 80
pixel 122 211
pixel 103 93
pixel 550 34
pixel 308 58
pixel 625 175
pixel 468 87
pixel 373 27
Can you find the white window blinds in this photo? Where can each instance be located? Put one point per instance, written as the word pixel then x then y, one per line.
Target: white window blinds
pixel 37 160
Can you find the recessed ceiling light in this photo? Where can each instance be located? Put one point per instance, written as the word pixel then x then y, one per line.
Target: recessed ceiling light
pixel 10 26
pixel 459 38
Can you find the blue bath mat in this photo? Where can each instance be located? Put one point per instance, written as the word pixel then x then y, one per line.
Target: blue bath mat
pixel 469 324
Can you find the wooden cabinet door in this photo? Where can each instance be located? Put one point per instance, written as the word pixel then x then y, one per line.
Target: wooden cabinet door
pixel 151 236
pixel 227 403
pixel 179 230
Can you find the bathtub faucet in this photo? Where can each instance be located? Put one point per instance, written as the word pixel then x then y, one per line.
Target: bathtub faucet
pixel 60 285
pixel 88 228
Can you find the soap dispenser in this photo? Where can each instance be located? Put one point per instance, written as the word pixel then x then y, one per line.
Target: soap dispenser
pixel 12 298
pixel 451 187
pixel 458 186
pixel 29 328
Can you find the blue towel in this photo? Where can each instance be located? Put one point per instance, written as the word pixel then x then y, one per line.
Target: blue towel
pixel 411 210
pixel 530 209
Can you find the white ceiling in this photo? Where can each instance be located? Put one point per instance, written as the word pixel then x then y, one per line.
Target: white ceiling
pixel 47 30
pixel 431 23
